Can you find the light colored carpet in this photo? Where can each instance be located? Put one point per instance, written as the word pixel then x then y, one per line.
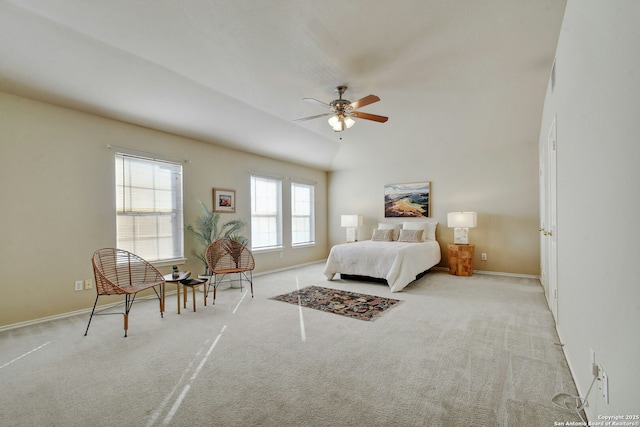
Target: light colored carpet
pixel 458 351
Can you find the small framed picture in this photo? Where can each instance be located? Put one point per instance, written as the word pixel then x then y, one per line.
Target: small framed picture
pixel 224 200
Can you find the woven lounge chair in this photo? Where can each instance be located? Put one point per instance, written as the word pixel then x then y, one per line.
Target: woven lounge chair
pixel 227 256
pixel 118 272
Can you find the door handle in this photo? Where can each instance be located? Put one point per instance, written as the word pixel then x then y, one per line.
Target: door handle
pixel 545 232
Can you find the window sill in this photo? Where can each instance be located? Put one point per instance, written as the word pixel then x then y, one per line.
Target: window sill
pixel 304 245
pixel 169 262
pixel 269 249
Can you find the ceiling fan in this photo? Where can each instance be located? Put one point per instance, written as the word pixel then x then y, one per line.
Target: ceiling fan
pixel 343 111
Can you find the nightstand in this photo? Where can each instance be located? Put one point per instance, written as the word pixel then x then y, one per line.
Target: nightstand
pixel 460 259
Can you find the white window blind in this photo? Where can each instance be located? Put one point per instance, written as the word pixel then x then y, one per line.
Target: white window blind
pixel 266 213
pixel 302 214
pixel 149 207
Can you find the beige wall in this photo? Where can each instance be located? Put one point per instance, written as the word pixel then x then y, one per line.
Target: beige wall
pixel 500 184
pixel 57 192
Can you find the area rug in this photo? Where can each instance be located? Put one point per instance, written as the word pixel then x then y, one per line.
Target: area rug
pixel 350 304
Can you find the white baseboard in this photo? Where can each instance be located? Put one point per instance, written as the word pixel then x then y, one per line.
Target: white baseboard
pixel 277 270
pixel 69 314
pixel 588 411
pixel 499 273
pixel 88 310
pixel 43 319
pixel 106 306
pixel 494 273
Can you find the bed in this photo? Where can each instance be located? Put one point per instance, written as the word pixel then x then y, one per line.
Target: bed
pixel 396 261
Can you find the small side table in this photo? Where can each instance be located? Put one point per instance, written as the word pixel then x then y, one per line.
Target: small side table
pixel 193 284
pixel 460 259
pixel 182 275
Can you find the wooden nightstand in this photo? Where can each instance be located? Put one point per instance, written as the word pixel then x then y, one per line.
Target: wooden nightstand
pixel 460 259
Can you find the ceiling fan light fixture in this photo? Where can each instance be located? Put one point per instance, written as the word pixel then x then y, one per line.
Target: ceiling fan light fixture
pixel 334 121
pixel 349 122
pixel 342 111
pixel 340 122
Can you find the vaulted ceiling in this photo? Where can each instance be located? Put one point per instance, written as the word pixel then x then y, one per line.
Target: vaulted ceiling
pixel 234 72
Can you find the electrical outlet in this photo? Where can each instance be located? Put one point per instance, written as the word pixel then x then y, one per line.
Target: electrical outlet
pixel 78 285
pixel 605 386
pixel 484 256
pixel 87 284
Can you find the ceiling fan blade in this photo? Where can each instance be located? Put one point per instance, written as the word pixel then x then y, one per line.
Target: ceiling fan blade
pixel 370 99
pixel 367 116
pixel 316 101
pixel 312 117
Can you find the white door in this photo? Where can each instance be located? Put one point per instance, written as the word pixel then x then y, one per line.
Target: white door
pixel 548 220
pixel 544 202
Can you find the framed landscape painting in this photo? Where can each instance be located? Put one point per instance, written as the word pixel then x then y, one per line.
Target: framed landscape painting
pixel 407 200
pixel 224 200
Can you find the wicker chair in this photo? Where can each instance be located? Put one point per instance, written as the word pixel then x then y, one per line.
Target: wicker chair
pixel 227 256
pixel 118 272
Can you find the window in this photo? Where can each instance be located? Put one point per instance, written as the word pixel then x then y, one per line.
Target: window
pixel 302 218
pixel 266 213
pixel 149 207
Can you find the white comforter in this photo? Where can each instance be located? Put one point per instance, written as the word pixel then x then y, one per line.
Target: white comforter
pixel 397 262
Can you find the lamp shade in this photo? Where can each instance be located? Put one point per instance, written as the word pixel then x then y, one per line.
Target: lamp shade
pixel 350 220
pixel 348 121
pixel 462 219
pixel 340 122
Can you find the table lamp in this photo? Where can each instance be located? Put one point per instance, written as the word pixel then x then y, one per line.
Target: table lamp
pixel 461 222
pixel 351 223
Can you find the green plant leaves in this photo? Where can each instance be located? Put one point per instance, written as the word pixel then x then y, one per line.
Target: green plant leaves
pixel 207 229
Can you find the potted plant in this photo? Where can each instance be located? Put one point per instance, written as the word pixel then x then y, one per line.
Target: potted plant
pixel 208 229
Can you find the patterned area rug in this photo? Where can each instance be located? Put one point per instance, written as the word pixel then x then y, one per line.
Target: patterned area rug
pixel 350 304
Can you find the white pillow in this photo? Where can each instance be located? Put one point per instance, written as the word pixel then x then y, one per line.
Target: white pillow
pixel 395 227
pixel 429 228
pixel 382 235
pixel 410 236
